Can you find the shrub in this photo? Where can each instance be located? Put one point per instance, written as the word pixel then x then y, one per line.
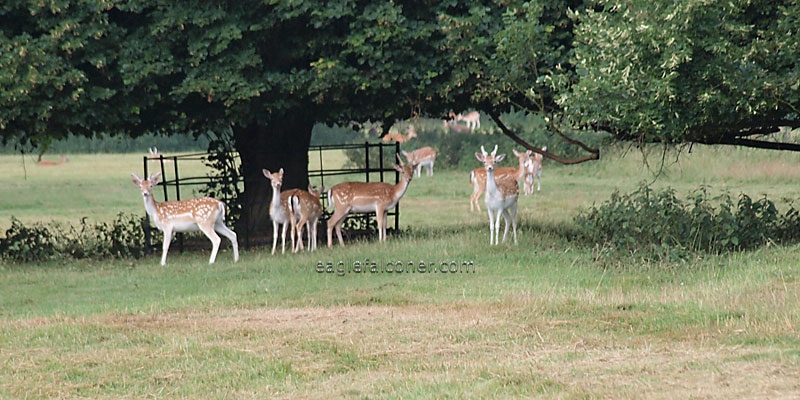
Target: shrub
pixel 123 238
pixel 658 224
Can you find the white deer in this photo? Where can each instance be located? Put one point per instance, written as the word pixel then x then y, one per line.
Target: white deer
pixel 501 197
pixel 477 177
pixel 533 169
pixel 279 210
pixel 307 210
pixel 204 214
pixel 424 156
pixel 364 197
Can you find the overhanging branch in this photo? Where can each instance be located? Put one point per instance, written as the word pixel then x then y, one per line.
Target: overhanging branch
pixel 594 154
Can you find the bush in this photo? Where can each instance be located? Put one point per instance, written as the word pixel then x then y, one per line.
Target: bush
pixel 658 224
pixel 123 238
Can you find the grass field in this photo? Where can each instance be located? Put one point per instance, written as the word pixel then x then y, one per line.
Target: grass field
pixel 540 319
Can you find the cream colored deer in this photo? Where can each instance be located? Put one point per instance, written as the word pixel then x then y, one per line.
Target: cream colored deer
pixel 473 119
pixel 424 156
pixel 364 197
pixel 47 163
pixel 204 214
pixel 501 197
pixel 279 211
pixel 399 138
pixel 477 177
pixel 533 169
pixel 307 210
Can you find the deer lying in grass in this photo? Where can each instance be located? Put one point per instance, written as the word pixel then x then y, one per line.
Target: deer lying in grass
pixel 477 177
pixel 399 138
pixel 501 197
pixel 364 197
pixel 424 156
pixel 204 214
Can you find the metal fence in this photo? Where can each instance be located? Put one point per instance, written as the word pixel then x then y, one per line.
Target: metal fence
pixel 376 167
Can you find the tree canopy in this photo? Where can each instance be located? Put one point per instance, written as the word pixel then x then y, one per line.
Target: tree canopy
pixel 669 72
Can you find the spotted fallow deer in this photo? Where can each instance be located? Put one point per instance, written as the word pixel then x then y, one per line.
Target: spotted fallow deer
pixel 399 138
pixel 423 156
pixel 477 177
pixel 364 197
pixel 204 214
pixel 307 210
pixel 533 169
pixel 501 197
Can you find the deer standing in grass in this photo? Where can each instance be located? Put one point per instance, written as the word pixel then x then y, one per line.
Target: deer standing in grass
pixel 424 156
pixel 477 177
pixel 307 210
pixel 501 197
pixel 279 210
pixel 473 119
pixel 204 214
pixel 533 169
pixel 364 197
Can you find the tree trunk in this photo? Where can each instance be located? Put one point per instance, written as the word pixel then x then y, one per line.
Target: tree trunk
pixel 281 145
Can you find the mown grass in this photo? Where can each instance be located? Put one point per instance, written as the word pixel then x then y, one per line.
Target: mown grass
pixel 542 318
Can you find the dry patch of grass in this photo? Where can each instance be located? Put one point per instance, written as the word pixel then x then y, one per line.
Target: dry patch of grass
pixel 502 349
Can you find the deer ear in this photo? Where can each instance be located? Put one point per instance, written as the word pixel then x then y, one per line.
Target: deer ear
pixel 137 180
pixel 500 157
pixel 266 173
pixel 479 156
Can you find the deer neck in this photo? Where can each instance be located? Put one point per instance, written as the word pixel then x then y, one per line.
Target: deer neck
pixel 151 207
pixel 491 183
pixel 400 189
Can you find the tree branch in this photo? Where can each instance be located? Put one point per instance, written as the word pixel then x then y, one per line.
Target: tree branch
pixel 594 153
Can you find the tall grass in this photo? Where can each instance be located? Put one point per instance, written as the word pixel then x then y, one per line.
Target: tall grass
pixel 539 319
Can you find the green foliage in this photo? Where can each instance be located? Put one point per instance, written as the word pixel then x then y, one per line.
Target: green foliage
pixel 225 176
pixel 122 238
pixel 658 224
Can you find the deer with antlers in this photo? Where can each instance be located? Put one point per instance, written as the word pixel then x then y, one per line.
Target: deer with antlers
pixel 307 210
pixel 364 197
pixel 424 156
pixel 399 138
pixel 204 214
pixel 477 177
pixel 501 197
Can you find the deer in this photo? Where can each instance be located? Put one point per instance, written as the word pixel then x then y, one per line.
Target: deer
pixel 399 138
pixel 477 177
pixel 423 156
pixel 153 154
pixel 533 169
pixel 279 210
pixel 473 119
pixel 364 197
pixel 306 208
pixel 47 163
pixel 204 214
pixel 501 197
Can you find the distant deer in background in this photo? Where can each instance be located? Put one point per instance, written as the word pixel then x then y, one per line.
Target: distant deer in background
pixel 47 163
pixel 533 169
pixel 399 138
pixel 422 156
pixel 153 154
pixel 473 119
